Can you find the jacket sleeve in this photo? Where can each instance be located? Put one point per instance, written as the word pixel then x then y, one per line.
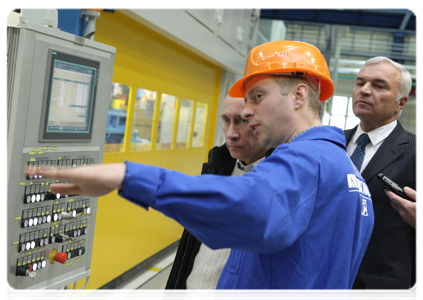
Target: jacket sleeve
pixel 249 212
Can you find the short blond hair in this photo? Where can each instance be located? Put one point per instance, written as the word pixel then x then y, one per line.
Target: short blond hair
pixel 287 83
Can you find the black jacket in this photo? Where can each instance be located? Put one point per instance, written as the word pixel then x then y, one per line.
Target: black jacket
pixel 390 259
pixel 220 162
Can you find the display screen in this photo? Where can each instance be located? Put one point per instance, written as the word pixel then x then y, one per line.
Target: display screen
pixel 71 92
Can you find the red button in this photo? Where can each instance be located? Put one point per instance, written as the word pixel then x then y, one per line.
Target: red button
pixel 61 257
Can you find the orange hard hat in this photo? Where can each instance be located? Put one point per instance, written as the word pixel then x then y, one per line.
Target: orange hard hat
pixel 287 58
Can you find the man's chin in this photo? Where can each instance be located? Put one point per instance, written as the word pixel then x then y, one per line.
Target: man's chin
pixel 236 153
pixel 363 113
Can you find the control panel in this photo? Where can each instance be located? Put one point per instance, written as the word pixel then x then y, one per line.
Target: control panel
pixel 58 94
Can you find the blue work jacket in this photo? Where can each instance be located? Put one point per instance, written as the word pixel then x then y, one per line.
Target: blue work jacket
pixel 301 219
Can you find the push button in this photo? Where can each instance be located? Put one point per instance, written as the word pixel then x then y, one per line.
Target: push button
pixel 61 257
pixel 27 199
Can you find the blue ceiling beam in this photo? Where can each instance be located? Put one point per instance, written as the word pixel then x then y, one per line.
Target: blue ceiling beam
pixel 389 10
pixel 399 19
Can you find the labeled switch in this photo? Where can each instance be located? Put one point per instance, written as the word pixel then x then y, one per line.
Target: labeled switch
pixel 69 215
pixel 60 238
pixel 25 271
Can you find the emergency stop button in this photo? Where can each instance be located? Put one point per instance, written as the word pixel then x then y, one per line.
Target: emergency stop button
pixel 61 257
pixel 57 256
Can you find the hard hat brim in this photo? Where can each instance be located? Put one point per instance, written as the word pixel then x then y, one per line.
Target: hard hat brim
pixel 238 89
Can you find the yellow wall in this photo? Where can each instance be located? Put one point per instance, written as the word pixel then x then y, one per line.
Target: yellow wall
pixel 126 234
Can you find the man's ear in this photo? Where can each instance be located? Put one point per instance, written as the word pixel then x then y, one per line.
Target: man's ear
pixel 301 95
pixel 401 103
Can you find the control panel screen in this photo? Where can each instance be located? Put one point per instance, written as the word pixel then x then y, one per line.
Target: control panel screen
pixel 70 97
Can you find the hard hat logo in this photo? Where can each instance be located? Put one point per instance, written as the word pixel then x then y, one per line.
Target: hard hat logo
pixel 287 58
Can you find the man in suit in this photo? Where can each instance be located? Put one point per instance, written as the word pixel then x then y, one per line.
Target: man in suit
pixel 381 91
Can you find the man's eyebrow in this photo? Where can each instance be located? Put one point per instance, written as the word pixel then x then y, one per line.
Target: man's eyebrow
pixel 379 80
pixel 223 116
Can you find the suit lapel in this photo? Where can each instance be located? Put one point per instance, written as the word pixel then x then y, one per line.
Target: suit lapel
pixel 387 153
pixel 348 134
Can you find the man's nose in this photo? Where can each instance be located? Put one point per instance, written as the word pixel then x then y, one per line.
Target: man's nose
pixel 247 113
pixel 233 133
pixel 365 89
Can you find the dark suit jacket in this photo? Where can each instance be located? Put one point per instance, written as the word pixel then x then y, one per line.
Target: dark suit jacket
pixel 390 259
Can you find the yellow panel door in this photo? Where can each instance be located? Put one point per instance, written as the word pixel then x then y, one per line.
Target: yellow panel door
pixel 152 76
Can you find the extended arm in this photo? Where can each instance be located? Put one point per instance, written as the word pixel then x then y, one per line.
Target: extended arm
pixel 223 212
pixel 93 181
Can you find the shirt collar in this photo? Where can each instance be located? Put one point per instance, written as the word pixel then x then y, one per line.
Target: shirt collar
pixel 247 168
pixel 376 135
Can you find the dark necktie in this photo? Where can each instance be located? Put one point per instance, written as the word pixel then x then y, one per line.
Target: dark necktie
pixel 358 154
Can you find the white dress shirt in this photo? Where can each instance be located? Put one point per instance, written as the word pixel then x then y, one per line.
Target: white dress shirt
pixel 377 136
